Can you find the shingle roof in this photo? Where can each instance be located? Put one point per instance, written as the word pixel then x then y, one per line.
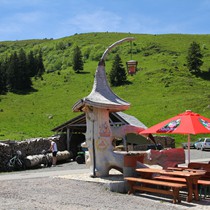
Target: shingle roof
pixel 101 95
pixel 131 120
pixel 78 124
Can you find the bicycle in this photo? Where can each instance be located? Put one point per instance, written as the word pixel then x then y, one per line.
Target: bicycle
pixel 16 162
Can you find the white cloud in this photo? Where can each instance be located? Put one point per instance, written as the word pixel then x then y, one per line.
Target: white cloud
pixel 28 17
pixel 96 21
pixel 21 24
pixel 23 19
pixel 9 29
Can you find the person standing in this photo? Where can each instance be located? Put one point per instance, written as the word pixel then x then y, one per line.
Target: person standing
pixel 54 149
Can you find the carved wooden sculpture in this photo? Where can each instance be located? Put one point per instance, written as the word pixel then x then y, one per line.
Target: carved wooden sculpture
pixel 99 134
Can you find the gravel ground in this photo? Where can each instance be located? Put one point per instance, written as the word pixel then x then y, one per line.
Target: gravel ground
pixel 44 189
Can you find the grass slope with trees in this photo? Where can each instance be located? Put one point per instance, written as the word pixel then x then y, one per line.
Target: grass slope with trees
pixel 162 87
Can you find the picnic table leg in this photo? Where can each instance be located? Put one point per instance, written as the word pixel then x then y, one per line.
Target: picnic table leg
pixel 176 195
pixel 190 189
pixel 192 186
pixel 131 184
pixel 195 189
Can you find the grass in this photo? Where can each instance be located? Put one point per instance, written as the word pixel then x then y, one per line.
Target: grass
pixel 162 87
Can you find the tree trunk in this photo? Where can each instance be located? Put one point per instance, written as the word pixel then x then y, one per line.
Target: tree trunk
pixel 36 160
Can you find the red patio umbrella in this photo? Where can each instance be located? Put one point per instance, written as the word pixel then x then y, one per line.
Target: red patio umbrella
pixel 184 123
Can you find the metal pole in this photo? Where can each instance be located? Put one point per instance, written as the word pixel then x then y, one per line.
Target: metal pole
pixel 131 49
pixel 94 153
pixel 188 148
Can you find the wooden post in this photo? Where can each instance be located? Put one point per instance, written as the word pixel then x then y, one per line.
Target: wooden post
pixel 68 139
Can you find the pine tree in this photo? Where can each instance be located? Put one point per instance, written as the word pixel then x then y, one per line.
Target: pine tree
pixel 77 60
pixel 3 87
pixel 117 74
pixel 18 77
pixel 40 65
pixel 12 72
pixel 24 80
pixel 194 58
pixel 32 64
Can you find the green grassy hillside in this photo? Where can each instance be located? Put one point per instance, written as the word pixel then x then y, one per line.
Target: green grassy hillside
pixel 162 87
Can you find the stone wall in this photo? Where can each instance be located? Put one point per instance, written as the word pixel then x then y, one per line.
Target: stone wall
pixel 27 147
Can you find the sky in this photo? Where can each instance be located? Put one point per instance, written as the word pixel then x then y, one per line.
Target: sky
pixel 39 19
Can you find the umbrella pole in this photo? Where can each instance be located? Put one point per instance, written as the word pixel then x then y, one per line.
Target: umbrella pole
pixel 188 148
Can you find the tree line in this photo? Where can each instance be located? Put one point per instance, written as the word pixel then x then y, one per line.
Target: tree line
pixel 17 70
pixel 194 62
pixel 118 76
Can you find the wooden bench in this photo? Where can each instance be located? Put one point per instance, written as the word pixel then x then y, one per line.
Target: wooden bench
pixel 182 180
pixel 204 166
pixel 170 178
pixel 203 183
pixel 150 185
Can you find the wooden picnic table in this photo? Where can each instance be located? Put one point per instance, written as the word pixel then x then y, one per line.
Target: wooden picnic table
pixel 191 177
pixel 186 169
